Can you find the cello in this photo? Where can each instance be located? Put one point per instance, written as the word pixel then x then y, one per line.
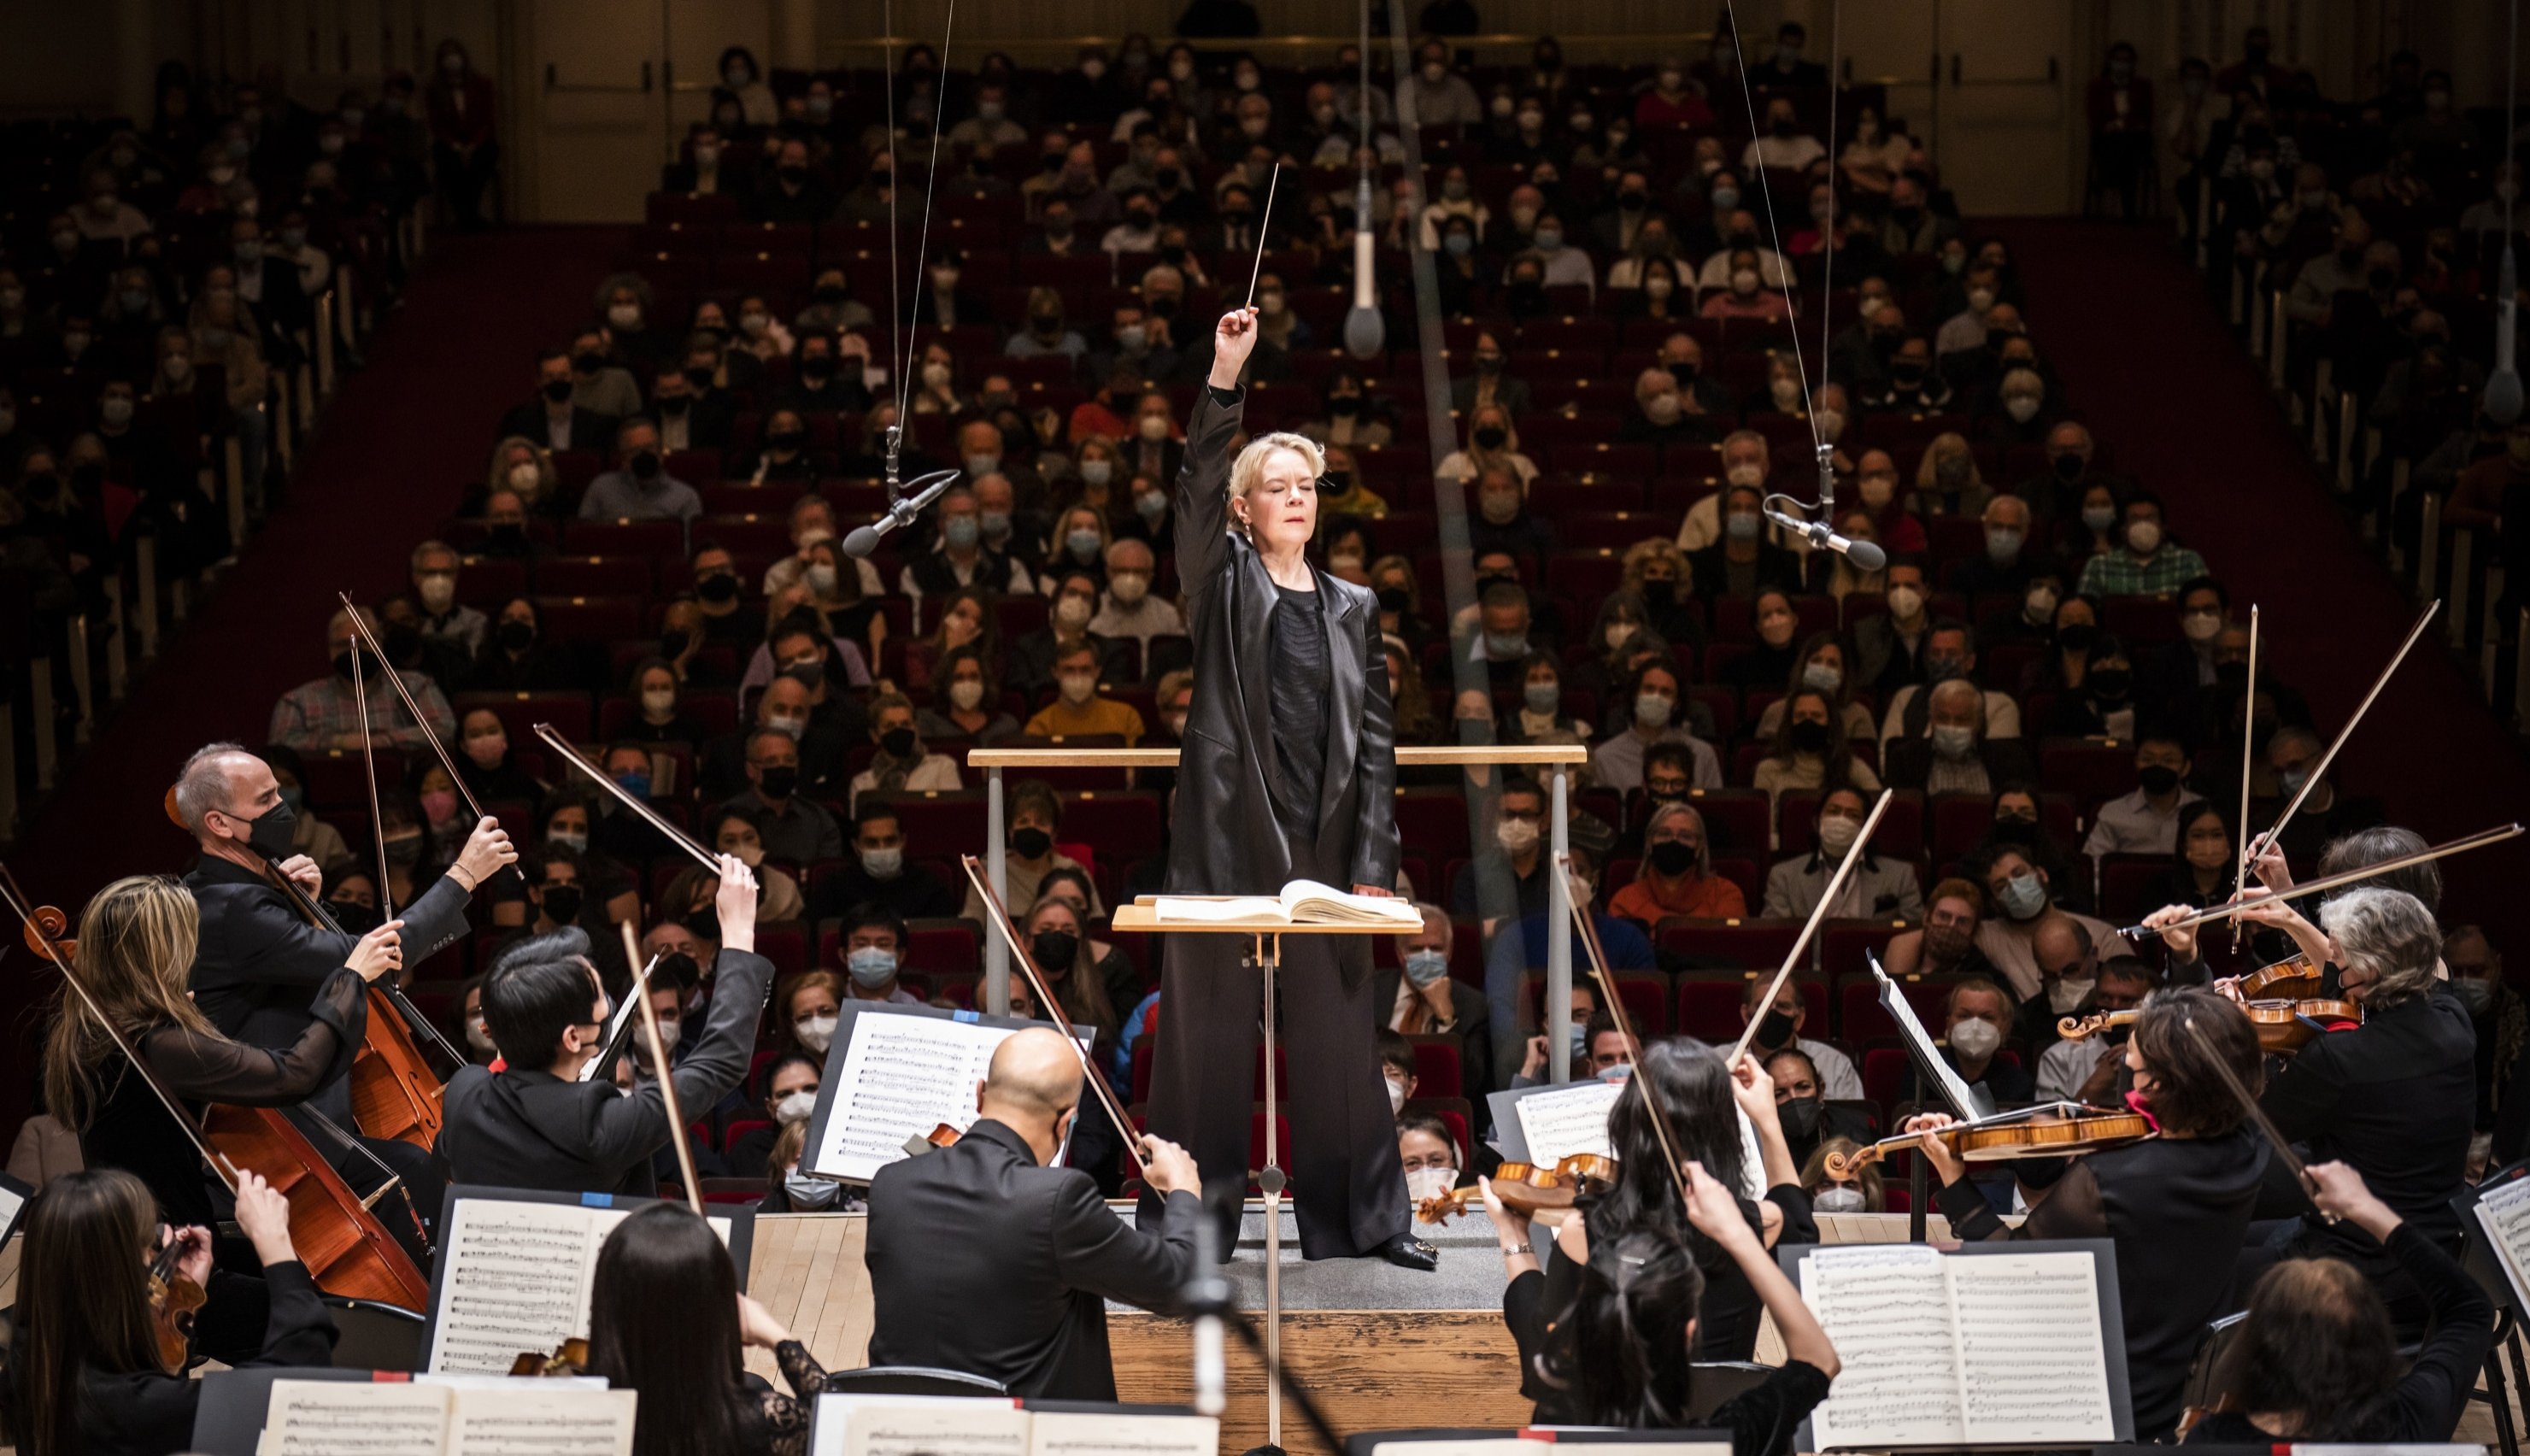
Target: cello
pixel 347 1252
pixel 394 1093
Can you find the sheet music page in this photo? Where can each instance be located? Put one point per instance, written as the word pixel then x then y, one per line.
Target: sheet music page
pixel 901 1075
pixel 1962 1102
pixel 334 1418
pixel 12 1203
pixel 1192 909
pixel 1084 1433
pixel 1476 1446
pixel 2504 1212
pixel 525 1419
pixel 959 1428
pixel 833 1415
pixel 517 1280
pixel 1316 902
pixel 1568 1120
pixel 1887 1310
pixel 2029 1327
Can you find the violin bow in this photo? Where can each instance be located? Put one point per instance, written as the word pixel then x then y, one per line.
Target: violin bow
pixel 2257 1114
pixel 1818 912
pixel 665 1075
pixel 1045 997
pixel 622 1036
pixel 2249 853
pixel 378 817
pixel 1258 271
pixel 24 906
pixel 2249 751
pixel 579 760
pixel 2326 882
pixel 395 679
pixel 1589 932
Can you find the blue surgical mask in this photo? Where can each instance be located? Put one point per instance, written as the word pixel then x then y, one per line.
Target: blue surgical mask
pixel 1580 1041
pixel 635 783
pixel 962 532
pixel 871 967
pixel 806 1191
pixel 1460 244
pixel 1742 528
pixel 1426 965
pixel 2022 896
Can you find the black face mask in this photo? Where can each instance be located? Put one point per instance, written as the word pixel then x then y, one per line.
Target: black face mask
pixel 558 390
pixel 672 404
pixel 1809 737
pixel 1774 1028
pixel 1053 947
pixel 719 587
pixel 702 923
pixel 1800 1115
pixel 830 293
pixel 1395 599
pixel 516 637
pixel 1490 439
pixel 355 918
pixel 2111 683
pixel 645 464
pixel 2233 675
pixel 587 364
pixel 679 969
pixel 562 904
pixel 1344 405
pixel 816 369
pixel 2015 830
pixel 2076 637
pixel 896 743
pixel 343 665
pixel 2069 467
pixel 271 835
pixel 1030 843
pixel 777 780
pixel 1673 859
pixel 2157 780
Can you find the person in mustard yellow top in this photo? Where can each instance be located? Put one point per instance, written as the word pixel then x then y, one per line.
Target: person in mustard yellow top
pixel 1079 711
pixel 1676 875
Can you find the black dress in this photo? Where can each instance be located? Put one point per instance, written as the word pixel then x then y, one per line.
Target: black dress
pixel 2426 1404
pixel 2177 1210
pixel 1299 708
pixel 1761 1422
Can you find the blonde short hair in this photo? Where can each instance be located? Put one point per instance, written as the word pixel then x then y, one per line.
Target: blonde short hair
pixel 1250 466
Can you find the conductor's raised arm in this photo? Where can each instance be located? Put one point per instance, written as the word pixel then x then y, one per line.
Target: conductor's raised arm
pixel 1203 480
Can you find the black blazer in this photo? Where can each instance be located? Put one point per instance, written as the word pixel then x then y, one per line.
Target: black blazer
pixel 1225 838
pixel 258 964
pixel 1470 1022
pixel 526 1128
pixel 589 431
pixel 984 1262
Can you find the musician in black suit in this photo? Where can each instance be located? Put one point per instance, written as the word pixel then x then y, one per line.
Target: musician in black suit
pixel 535 1124
pixel 1288 772
pixel 983 1258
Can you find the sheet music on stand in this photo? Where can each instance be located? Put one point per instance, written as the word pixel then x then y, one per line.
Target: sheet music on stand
pixel 13 1198
pixel 1536 1440
pixel 2038 1322
pixel 2496 1215
pixel 854 1425
pixel 892 1074
pixel 1968 1102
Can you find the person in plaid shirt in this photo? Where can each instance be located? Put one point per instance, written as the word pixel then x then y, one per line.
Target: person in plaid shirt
pixel 325 713
pixel 2149 565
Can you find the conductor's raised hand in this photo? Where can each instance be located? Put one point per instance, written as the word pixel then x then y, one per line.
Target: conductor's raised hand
pixel 1233 338
pixel 735 902
pixel 378 953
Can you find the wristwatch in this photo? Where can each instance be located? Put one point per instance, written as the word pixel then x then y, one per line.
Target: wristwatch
pixel 1515 1251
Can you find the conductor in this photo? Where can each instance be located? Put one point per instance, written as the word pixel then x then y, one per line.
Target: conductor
pixel 1289 770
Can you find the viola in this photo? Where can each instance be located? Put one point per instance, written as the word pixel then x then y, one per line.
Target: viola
pixel 2058 1131
pixel 174 1300
pixel 2296 979
pixel 2284 1027
pixel 1528 1189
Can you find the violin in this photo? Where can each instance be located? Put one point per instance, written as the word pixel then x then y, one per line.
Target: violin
pixel 570 1358
pixel 2061 1129
pixel 174 1300
pixel 2284 1027
pixel 1528 1189
pixel 2297 979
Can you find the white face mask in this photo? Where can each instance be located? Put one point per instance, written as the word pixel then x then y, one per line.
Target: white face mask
pixel 1976 1037
pixel 1837 835
pixel 966 693
pixel 815 1033
pixel 1078 687
pixel 2068 992
pixel 477 1036
pixel 1516 836
pixel 659 699
pixel 525 479
pixel 795 1108
pixel 1838 1198
pixel 1429 1183
pixel 1395 1097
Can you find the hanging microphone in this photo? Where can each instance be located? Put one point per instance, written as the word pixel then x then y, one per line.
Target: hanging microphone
pixel 1366 332
pixel 1865 555
pixel 926 489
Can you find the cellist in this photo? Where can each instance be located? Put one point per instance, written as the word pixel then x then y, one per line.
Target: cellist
pixel 137 940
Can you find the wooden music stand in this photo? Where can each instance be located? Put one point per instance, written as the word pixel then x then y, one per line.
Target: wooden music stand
pixel 1143 916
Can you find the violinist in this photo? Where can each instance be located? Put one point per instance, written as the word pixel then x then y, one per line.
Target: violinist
pixel 535 1124
pixel 260 959
pixel 1611 1337
pixel 2178 1205
pixel 2316 1359
pixel 2395 1098
pixel 665 1318
pixel 136 940
pixel 88 1370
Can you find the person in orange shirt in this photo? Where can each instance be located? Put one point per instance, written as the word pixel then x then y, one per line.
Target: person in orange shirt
pixel 1676 875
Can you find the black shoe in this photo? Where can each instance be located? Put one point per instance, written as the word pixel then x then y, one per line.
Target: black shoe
pixel 1408 1252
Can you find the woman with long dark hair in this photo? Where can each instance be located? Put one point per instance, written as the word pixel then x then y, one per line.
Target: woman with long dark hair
pixel 2316 1359
pixel 1607 1338
pixel 665 1318
pixel 2176 1205
pixel 1288 772
pixel 84 1376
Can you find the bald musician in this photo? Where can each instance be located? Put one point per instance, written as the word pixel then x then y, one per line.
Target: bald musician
pixel 983 1258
